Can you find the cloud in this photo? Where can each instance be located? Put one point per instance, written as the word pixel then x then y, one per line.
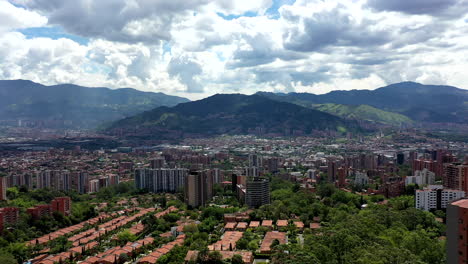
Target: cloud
pixel 331 27
pixel 186 70
pixel 12 17
pixel 419 7
pixel 201 47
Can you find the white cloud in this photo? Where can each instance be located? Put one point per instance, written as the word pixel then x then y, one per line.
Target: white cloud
pixel 185 48
pixel 12 17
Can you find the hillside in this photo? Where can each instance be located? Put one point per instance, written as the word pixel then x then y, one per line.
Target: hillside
pixel 427 103
pixel 364 112
pixel 228 114
pixel 68 105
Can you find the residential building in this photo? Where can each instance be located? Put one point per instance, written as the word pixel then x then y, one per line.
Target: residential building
pixel 257 192
pixel 198 189
pixel 457 231
pixel 455 176
pixel 361 178
pixel 40 211
pixel 8 216
pixel 424 177
pixel 62 205
pixel 435 197
pixel 160 180
pixel 3 188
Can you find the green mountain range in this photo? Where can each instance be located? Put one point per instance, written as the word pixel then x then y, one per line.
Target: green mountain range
pixel 422 103
pixel 228 114
pixel 364 112
pixel 73 106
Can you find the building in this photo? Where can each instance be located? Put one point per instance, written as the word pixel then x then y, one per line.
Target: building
pixel 40 211
pixel 255 161
pixel 342 177
pixel 252 172
pixel 457 231
pixel 59 204
pixel 455 176
pixel 361 178
pixel 54 179
pixel 393 187
pixel 93 186
pixel 83 182
pixel 424 177
pixel 8 216
pixel 198 189
pixel 257 192
pixel 435 197
pixel 273 164
pixel 62 205
pixel 400 158
pixel 160 180
pixel 157 163
pixel 420 164
pixel 332 170
pixel 312 174
pixel 3 188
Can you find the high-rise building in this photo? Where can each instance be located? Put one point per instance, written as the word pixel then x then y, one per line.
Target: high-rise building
pixel 457 232
pixel 3 188
pixel 342 172
pixel 421 178
pixel 400 158
pixel 273 164
pixel 160 180
pixel 54 179
pixel 312 174
pixel 157 163
pixel 361 178
pixel 252 172
pixel 332 170
pixel 255 161
pixel 455 176
pixel 83 182
pixel 420 164
pixel 93 186
pixel 198 189
pixel 257 192
pixel 435 197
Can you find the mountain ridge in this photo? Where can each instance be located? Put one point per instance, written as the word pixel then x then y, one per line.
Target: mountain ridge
pixel 423 103
pixel 74 106
pixel 228 114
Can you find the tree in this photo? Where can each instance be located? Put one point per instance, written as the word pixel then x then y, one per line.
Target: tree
pixel 125 236
pixel 7 259
pixel 215 257
pixel 237 259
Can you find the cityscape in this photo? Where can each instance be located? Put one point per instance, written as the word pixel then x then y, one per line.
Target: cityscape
pixel 233 132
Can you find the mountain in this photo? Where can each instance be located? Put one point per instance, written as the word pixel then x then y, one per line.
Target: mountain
pixel 427 103
pixel 68 105
pixel 364 112
pixel 228 114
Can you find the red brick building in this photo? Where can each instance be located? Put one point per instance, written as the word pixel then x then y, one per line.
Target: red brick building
pixel 59 204
pixel 40 211
pixel 3 188
pixel 457 231
pixel 62 205
pixel 420 164
pixel 8 215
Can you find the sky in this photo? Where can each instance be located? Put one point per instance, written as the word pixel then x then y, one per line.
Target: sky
pixel 198 48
